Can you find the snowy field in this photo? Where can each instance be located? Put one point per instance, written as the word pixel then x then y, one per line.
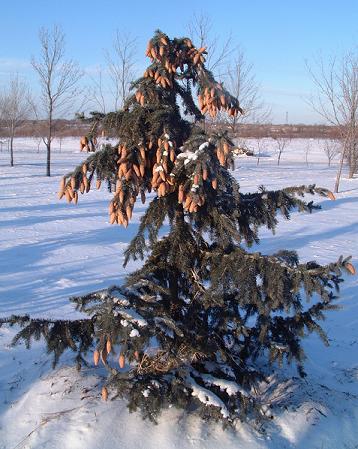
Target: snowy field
pixel 50 250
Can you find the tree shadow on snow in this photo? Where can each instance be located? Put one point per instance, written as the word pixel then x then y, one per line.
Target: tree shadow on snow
pixel 62 276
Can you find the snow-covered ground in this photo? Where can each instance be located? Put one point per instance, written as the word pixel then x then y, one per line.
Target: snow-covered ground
pixel 50 250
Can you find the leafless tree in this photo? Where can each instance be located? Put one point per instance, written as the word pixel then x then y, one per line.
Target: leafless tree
pixel 200 30
pixel 228 62
pixel 259 143
pixel 281 142
pixel 307 149
pixel 242 84
pixel 38 130
pixel 336 100
pixel 331 147
pixel 58 79
pixel 97 91
pixel 2 110
pixel 121 66
pixel 15 109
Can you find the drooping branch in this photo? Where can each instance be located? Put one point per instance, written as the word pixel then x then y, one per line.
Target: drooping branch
pixel 59 335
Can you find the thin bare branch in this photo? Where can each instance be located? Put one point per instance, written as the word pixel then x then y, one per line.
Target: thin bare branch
pixel 121 66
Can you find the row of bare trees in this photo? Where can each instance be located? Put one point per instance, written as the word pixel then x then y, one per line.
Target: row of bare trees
pixel 335 98
pixel 58 81
pixel 336 82
pixel 331 147
pixel 59 87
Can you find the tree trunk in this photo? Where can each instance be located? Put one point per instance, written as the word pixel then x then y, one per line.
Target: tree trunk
pixel 352 167
pixel 351 156
pixel 339 172
pixel 48 160
pixel 12 151
pixel 48 143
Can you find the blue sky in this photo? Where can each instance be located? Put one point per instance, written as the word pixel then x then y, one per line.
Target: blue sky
pixel 277 36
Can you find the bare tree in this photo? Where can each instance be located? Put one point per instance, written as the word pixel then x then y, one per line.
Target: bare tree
pixel 336 100
pixel 38 128
pixel 259 143
pixel 281 143
pixel 97 91
pixel 242 83
pixel 121 66
pixel 307 149
pixel 58 80
pixel 331 147
pixel 2 110
pixel 200 30
pixel 15 109
pixel 228 62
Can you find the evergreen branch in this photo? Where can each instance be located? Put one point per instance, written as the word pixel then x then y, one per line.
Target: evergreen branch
pixel 150 222
pixel 188 101
pixel 103 164
pixel 59 335
pixel 260 209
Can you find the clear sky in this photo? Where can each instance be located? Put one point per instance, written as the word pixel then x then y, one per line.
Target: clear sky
pixel 277 36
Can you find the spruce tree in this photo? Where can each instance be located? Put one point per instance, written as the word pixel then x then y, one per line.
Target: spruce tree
pixel 203 318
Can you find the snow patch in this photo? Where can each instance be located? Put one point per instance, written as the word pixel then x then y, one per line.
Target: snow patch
pixel 134 333
pixel 203 146
pixel 207 397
